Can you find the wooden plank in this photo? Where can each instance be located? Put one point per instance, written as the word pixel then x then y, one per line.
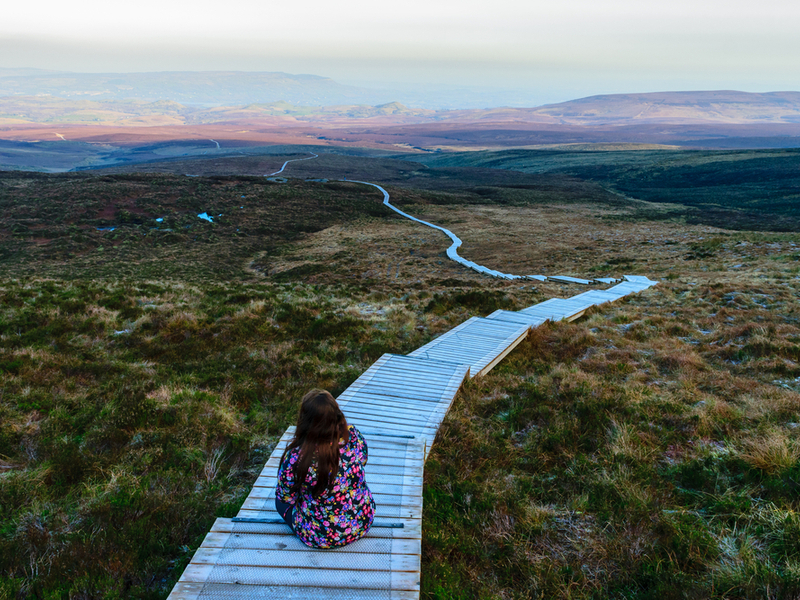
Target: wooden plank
pixel 596 297
pixel 394 404
pixel 420 366
pixel 489 327
pixel 393 499
pixel 491 364
pixel 397 502
pixel 409 364
pixel 389 427
pixel 290 543
pixel 312 577
pixel 402 360
pixel 483 327
pixel 396 394
pixel 248 557
pixel 416 389
pixel 467 353
pixel 552 314
pixel 224 525
pixel 353 413
pixel 411 526
pixel 545 303
pixel 387 470
pixel 373 466
pixel 458 372
pixel 568 279
pixel 474 325
pixel 375 450
pixel 398 405
pixel 456 346
pixel 463 341
pixel 377 445
pixel 383 510
pixel 192 591
pixel 517 317
pixel 388 506
pixel 385 478
pixel 411 391
pixel 374 486
pixel 465 338
pixel 461 347
pixel 384 453
pixel 415 381
pixel 419 373
pixel 421 376
pixel 395 389
pixel 639 279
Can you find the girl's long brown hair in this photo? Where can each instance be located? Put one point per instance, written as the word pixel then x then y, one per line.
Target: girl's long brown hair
pixel 319 426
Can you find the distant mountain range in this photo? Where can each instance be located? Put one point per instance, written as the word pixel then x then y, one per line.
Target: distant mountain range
pixel 244 109
pixel 212 96
pixel 678 107
pixel 204 88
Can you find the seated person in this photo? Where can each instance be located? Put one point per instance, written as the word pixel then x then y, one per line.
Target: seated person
pixel 321 492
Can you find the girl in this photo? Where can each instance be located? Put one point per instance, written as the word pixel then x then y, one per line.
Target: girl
pixel 321 492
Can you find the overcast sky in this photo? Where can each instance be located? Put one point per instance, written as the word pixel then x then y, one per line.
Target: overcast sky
pixel 544 50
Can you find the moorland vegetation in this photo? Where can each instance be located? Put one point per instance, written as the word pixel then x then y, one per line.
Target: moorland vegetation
pixel 648 450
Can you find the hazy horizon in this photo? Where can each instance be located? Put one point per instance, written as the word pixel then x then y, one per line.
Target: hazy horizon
pixel 517 54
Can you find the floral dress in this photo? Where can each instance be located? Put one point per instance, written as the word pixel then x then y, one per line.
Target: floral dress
pixel 339 515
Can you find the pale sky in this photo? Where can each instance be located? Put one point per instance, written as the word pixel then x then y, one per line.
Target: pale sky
pixel 552 50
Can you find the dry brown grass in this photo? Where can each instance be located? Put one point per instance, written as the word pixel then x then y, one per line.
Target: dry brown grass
pixel 772 451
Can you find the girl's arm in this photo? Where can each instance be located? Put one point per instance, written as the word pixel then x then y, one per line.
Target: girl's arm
pixel 286 479
pixel 361 446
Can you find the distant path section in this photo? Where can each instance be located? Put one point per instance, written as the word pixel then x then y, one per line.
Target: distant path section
pixel 452 251
pixel 293 160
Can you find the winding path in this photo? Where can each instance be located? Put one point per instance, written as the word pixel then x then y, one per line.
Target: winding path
pixel 398 404
pixel 293 160
pixel 452 251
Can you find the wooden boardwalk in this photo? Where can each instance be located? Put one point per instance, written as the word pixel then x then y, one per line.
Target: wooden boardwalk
pixel 398 404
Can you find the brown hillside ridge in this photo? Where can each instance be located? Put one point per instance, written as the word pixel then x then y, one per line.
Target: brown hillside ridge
pixel 242 109
pixel 679 107
pixel 728 107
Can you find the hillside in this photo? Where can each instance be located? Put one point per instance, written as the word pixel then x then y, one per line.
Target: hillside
pixel 647 450
pixel 211 88
pixel 678 107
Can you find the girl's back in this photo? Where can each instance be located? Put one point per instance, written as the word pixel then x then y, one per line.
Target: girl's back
pixel 343 512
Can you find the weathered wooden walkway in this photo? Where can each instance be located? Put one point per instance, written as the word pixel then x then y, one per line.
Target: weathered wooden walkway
pixel 398 404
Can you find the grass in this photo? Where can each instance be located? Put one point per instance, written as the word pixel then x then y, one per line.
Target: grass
pixel 745 189
pixel 648 450
pixel 132 414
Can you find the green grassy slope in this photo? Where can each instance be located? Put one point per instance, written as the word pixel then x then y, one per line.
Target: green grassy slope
pixel 746 189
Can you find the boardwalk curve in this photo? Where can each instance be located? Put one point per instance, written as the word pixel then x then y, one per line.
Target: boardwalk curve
pixel 398 404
